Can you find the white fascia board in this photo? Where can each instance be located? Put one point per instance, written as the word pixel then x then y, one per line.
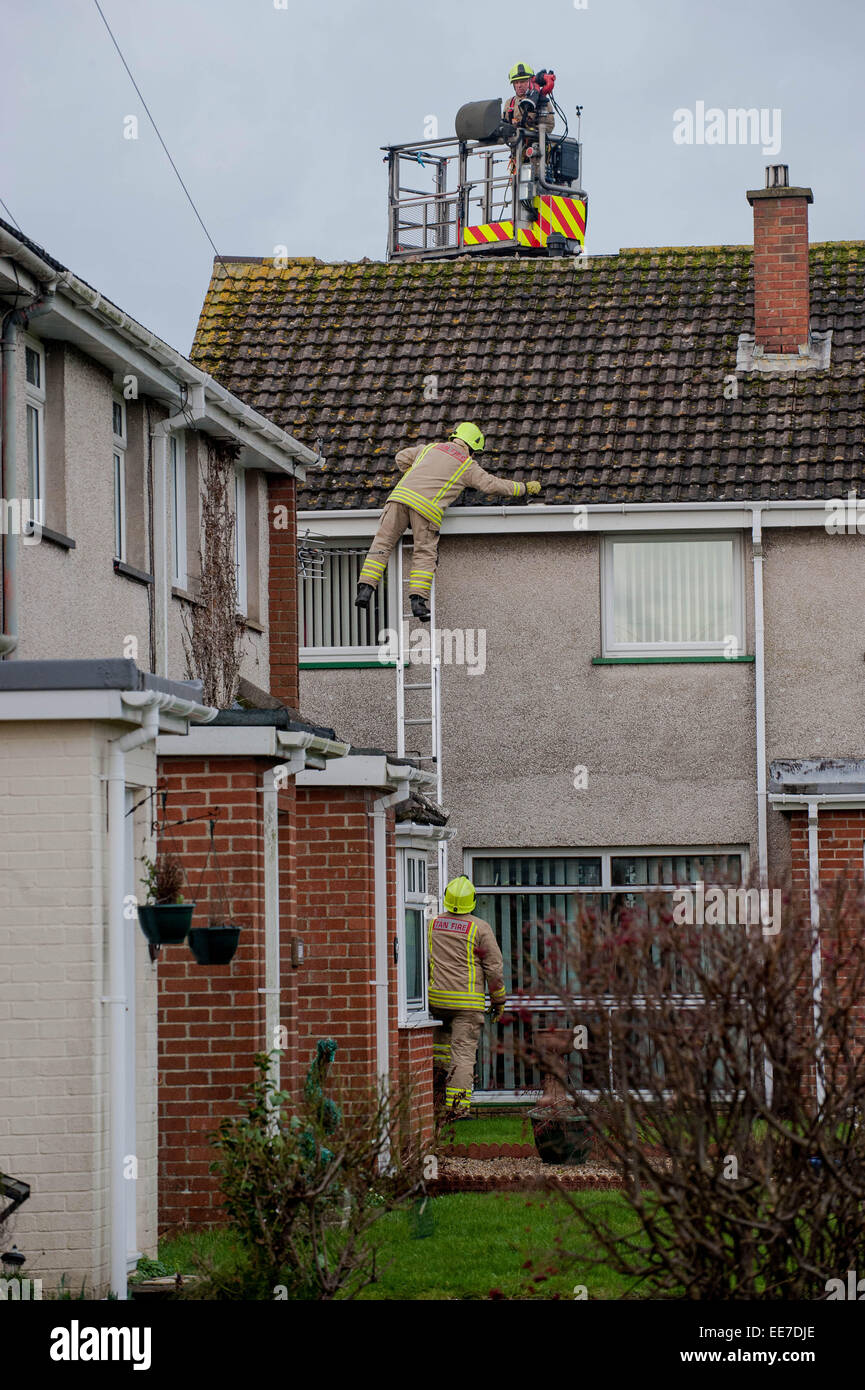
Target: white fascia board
pixel 599 517
pixel 15 280
pixel 259 741
pixel 222 741
pixel 98 706
pixel 355 770
pixel 161 374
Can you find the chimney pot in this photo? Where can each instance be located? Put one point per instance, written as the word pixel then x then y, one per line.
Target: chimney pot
pixel 777 176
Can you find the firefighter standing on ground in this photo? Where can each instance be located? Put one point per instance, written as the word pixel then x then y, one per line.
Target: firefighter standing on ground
pixel 464 958
pixel 433 477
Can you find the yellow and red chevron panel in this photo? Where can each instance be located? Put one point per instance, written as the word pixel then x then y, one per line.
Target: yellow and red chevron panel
pixel 555 214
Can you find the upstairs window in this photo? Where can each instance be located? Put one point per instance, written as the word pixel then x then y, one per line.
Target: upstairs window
pixel 330 624
pixel 240 538
pixel 673 595
pixel 177 455
pixel 119 443
pixel 34 407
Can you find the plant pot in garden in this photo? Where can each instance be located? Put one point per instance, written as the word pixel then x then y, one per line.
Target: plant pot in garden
pixel 165 924
pixel 215 944
pixel 562 1134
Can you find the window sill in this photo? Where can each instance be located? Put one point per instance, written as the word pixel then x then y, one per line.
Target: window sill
pixel 53 537
pixel 253 623
pixel 666 660
pixel 130 572
pixel 336 663
pixel 178 592
pixel 410 1023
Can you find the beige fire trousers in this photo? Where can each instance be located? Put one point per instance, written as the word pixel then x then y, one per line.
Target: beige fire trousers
pixel 395 519
pixel 455 1049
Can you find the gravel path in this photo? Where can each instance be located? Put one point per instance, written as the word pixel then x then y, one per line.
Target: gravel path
pixel 491 1174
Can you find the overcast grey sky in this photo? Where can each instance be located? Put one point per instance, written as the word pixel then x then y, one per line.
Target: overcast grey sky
pixel 275 116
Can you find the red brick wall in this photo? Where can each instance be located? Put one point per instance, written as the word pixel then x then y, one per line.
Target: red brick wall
pixel 282 592
pixel 781 297
pixel 211 1018
pixel 416 1073
pixel 840 837
pixel 336 915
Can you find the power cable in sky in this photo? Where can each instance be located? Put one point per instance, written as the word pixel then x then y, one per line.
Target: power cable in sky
pixel 10 215
pixel 159 137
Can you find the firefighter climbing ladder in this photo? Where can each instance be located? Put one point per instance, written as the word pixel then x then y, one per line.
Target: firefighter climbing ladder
pixel 419 696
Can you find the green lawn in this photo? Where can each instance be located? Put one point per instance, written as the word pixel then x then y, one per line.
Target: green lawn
pixel 489 1129
pixel 478 1245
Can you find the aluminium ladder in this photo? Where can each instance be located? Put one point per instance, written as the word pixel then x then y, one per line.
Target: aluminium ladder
pixel 419 698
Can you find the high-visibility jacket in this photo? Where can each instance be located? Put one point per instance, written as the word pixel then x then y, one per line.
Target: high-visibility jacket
pixel 541 116
pixel 433 476
pixel 464 956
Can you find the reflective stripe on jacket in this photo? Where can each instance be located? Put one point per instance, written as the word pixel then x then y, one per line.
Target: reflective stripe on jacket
pixel 433 476
pixel 464 957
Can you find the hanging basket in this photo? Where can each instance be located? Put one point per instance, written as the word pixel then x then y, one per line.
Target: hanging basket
pixel 166 924
pixel 214 945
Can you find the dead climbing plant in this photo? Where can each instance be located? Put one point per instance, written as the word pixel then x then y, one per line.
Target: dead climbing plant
pixel 212 633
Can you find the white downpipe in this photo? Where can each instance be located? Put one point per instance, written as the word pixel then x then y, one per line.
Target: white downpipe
pixel 116 997
pixel 150 702
pixel 382 952
pixel 816 955
pixel 270 846
pixel 760 698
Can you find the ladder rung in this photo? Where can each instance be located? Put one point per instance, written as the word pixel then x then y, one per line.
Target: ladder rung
pixel 417 721
pixel 427 686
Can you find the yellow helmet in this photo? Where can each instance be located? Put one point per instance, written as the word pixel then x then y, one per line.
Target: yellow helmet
pixel 460 895
pixel 519 71
pixel 469 434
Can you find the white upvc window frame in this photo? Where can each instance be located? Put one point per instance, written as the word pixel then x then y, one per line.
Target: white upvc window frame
pixel 240 559
pixel 552 1003
pixel 316 594
pixel 119 443
pixel 34 414
pixel 411 896
pixel 732 644
pixel 606 856
pixel 177 462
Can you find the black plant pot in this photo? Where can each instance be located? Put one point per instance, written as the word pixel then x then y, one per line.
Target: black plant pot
pixel 166 924
pixel 214 945
pixel 560 1138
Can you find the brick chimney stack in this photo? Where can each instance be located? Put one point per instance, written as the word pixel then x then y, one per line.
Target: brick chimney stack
pixel 781 302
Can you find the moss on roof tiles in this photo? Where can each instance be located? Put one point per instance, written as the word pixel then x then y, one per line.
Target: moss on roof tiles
pixel 634 354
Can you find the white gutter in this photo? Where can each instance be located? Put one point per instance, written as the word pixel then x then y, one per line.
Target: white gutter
pixel 540 518
pixel 760 696
pixel 151 703
pixel 220 406
pixel 816 954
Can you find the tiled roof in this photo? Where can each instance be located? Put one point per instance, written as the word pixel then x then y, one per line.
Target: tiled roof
pixel 607 383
